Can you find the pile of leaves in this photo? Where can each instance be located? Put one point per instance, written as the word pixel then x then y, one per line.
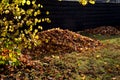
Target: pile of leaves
pixel 62 41
pixel 105 30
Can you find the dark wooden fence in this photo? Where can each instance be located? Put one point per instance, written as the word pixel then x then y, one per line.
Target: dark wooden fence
pixel 72 15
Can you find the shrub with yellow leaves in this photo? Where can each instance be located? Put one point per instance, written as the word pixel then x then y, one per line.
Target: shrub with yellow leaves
pixel 19 25
pixel 85 2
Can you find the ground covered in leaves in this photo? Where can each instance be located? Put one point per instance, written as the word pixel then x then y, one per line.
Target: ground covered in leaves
pixel 82 62
pixel 105 30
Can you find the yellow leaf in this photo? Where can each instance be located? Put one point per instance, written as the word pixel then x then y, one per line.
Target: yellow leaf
pixel 36 30
pixel 46 40
pixel 43 20
pixel 10 55
pixel 47 12
pixel 91 1
pixel 3 58
pixel 35 13
pixel 23 2
pixel 98 56
pixel 33 2
pixel 13 59
pixel 39 5
pixel 28 2
pixel 38 12
pixel 36 37
pixel 39 20
pixel 40 27
pixel 7 12
pixel 36 20
pixel 31 28
pixel 84 2
pixel 49 21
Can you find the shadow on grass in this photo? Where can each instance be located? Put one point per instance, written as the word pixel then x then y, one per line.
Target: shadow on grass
pixel 103 38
